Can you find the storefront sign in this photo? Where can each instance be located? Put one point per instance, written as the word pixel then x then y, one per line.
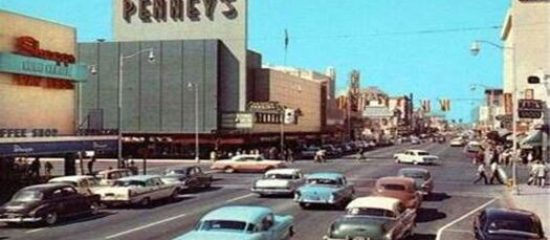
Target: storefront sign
pixel 237 120
pixel 22 132
pixel 176 10
pixel 58 146
pixel 263 106
pixel 32 66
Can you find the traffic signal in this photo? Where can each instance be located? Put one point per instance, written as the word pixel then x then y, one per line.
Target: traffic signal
pixel 445 105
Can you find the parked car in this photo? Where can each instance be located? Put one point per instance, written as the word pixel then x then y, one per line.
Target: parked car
pixel 332 151
pixel 242 223
pixel 279 182
pixel 415 140
pixel 401 188
pixel 84 184
pixel 47 203
pixel 247 163
pixel 473 148
pixel 308 152
pixel 415 157
pixel 325 189
pixel 140 189
pixel 190 178
pixel 457 142
pixel 373 218
pixel 422 179
pixel 501 223
pixel 108 177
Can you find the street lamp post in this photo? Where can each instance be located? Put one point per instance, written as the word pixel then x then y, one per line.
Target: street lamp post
pixel 475 49
pixel 151 59
pixel 195 89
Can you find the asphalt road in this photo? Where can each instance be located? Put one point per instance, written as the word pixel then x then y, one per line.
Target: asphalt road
pixel 448 212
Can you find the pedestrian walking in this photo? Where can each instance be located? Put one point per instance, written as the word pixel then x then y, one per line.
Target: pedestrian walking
pixel 360 155
pixel 289 155
pixel 91 165
pixel 540 172
pixel 34 168
pixel 48 167
pixel 133 168
pixel 495 173
pixel 481 174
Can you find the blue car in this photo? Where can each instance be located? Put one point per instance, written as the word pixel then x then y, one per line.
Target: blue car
pixel 242 223
pixel 325 189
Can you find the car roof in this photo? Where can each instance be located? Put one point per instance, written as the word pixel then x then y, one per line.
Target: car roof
pixel 70 178
pixel 395 180
pixel 386 203
pixel 414 170
pixel 138 178
pixel 249 214
pixel 246 155
pixel 114 170
pixel 284 171
pixel 327 175
pixel 507 213
pixel 47 186
pixel 416 150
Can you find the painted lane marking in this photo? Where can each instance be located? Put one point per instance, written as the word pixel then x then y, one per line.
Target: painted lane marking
pixel 440 231
pixel 35 230
pixel 146 226
pixel 240 198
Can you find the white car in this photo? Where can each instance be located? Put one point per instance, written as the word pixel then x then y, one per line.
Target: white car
pixel 279 182
pixel 457 142
pixel 141 190
pixel 84 184
pixel 415 157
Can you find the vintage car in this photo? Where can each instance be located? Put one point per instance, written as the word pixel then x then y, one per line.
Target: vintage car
pixel 283 181
pixel 415 157
pixel 500 223
pixel 373 218
pixel 242 223
pixel 140 189
pixel 108 177
pixel 47 203
pixel 84 184
pixel 188 178
pixel 457 142
pixel 325 189
pixel 402 188
pixel 308 152
pixel 247 163
pixel 422 179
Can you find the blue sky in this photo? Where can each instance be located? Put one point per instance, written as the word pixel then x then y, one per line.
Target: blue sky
pixel 402 46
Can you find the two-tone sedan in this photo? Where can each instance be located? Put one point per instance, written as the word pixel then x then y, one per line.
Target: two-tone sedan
pixel 415 157
pixel 402 188
pixel 242 223
pixel 373 218
pixel 283 181
pixel 507 224
pixel 325 189
pixel 422 179
pixel 247 163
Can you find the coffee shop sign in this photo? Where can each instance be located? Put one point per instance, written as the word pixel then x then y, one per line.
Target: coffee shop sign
pixel 177 10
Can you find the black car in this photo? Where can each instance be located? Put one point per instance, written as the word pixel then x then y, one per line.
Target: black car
pixel 46 203
pixel 192 177
pixel 507 224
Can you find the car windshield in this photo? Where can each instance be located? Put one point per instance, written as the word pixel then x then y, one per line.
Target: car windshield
pixel 213 225
pixel 27 196
pixel 415 175
pixel 174 171
pixel 324 181
pixel 377 212
pixel 279 176
pixel 501 225
pixel 129 183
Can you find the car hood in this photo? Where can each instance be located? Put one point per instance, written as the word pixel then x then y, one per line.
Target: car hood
pixel 367 227
pixel 208 235
pixel 19 207
pixel 322 191
pixel 271 183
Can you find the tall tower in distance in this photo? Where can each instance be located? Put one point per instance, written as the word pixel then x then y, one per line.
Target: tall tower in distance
pixel 331 74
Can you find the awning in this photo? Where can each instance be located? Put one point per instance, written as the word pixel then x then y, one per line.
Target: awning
pixel 534 139
pixel 57 145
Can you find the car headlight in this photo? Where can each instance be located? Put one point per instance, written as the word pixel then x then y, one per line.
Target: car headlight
pixel 331 198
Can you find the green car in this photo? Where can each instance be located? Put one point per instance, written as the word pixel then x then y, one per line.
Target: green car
pixel 373 218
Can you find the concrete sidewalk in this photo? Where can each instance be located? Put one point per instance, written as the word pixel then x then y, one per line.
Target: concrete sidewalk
pixel 534 199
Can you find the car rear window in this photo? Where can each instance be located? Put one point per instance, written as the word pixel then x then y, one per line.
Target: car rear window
pixel 371 212
pixel 513 225
pixel 129 183
pixel 27 196
pixel 279 176
pixel 222 225
pixel 423 153
pixel 394 187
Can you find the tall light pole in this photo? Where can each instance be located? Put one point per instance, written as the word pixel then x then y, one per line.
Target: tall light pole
pixel 151 59
pixel 195 88
pixel 475 49
pixel 491 99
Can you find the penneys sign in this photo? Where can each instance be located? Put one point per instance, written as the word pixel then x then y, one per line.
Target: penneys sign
pixel 176 10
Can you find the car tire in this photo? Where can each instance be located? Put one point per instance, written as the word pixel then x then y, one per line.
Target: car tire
pixel 145 203
pixel 174 196
pixel 304 205
pixel 290 231
pixel 51 218
pixel 228 169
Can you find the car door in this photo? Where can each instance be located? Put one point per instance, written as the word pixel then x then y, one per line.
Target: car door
pixel 76 202
pixel 61 205
pixel 204 179
pixel 192 178
pixel 269 229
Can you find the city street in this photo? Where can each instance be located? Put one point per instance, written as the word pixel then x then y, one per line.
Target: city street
pixel 449 211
